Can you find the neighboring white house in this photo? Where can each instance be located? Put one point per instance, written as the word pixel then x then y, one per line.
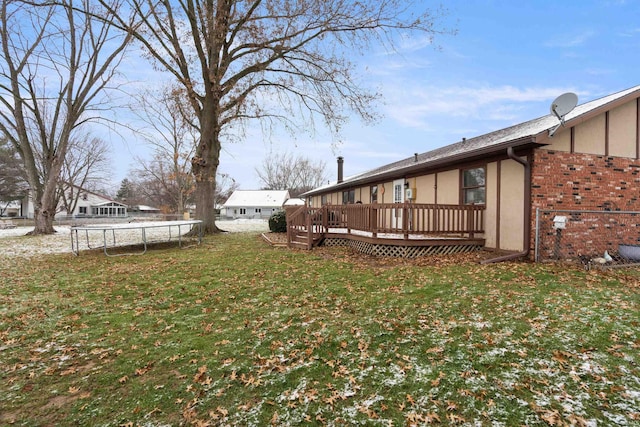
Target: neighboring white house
pixel 89 204
pixel 10 209
pixel 254 203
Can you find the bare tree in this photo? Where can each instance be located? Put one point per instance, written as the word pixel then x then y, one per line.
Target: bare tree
pixel 56 62
pixel 85 166
pixel 225 186
pixel 173 136
pixel 163 186
pixel 288 172
pixel 275 60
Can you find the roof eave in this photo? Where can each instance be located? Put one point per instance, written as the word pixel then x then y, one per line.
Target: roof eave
pixel 543 137
pixel 446 161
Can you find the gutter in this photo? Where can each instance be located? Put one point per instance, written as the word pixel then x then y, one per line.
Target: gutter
pixel 527 212
pixel 416 167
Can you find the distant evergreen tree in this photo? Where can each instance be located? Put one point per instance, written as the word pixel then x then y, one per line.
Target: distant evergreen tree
pixel 13 183
pixel 126 191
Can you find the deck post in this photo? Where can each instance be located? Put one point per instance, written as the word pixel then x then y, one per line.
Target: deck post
pixel 289 213
pixel 373 220
pixel 309 230
pixel 471 213
pixel 325 219
pixel 405 220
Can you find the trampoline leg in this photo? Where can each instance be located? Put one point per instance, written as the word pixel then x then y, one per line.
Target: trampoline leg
pixel 104 240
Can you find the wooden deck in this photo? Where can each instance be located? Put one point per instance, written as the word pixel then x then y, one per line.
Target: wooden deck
pixel 400 229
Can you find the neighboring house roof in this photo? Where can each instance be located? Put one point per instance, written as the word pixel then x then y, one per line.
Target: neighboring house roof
pixel 145 208
pixel 84 190
pixel 110 202
pixel 243 198
pixel 531 132
pixel 294 202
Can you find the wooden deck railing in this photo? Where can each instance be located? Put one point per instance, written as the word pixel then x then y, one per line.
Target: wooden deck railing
pixel 391 218
pixel 303 219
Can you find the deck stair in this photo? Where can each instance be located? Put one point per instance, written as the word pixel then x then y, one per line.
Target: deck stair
pixel 301 239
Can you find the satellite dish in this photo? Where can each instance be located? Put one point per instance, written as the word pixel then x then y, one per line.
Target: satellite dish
pixel 562 106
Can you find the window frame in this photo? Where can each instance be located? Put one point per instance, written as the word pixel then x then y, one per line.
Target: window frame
pixel 465 190
pixel 373 194
pixel 349 197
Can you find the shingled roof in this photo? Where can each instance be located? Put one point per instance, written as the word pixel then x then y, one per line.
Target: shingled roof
pixel 531 132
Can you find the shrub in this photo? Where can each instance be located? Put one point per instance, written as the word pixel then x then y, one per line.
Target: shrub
pixel 278 222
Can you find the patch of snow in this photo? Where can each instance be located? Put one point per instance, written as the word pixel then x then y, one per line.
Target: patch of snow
pixel 616 419
pixel 15 243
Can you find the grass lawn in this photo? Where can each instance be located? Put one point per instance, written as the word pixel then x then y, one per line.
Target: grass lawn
pixel 238 333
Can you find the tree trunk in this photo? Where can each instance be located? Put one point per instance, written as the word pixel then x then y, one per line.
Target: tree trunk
pixel 44 209
pixel 204 205
pixel 204 167
pixel 45 202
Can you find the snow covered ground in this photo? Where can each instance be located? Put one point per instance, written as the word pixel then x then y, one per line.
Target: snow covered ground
pixel 13 242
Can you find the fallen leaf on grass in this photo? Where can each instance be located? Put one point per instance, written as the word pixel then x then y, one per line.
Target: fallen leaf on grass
pixel 552 418
pixel 455 419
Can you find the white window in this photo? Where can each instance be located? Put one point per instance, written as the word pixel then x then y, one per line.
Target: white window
pixel 258 210
pixel 82 210
pixel 243 211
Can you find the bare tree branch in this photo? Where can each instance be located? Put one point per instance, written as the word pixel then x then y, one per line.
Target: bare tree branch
pixel 274 60
pixel 61 45
pixel 288 172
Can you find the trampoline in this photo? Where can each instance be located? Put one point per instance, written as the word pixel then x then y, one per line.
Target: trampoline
pixel 111 236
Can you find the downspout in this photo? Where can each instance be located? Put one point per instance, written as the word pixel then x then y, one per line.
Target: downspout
pixel 527 212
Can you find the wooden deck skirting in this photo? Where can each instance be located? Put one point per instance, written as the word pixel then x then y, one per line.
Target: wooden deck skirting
pixel 399 225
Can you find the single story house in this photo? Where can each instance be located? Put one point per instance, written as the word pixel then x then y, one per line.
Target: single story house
pixel 248 204
pixel 591 162
pixel 10 208
pixel 89 204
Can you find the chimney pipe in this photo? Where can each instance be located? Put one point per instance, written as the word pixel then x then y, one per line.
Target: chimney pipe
pixel 340 169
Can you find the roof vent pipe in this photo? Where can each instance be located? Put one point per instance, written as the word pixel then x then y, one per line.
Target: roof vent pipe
pixel 464 140
pixel 340 169
pixel 415 157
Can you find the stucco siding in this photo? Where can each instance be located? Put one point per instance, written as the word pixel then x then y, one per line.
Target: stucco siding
pixel 449 187
pixel 590 136
pixel 561 140
pixel 386 196
pixel 491 213
pixel 511 206
pixel 622 130
pixel 425 188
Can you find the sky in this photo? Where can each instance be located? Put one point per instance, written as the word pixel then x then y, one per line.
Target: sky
pixel 505 65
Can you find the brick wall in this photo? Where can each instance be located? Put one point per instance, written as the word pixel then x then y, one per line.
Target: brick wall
pixel 563 180
pixel 577 181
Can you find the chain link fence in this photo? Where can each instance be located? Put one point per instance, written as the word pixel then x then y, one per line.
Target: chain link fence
pixel 603 239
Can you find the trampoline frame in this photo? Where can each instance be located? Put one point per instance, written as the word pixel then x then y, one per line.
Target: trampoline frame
pixel 142 226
